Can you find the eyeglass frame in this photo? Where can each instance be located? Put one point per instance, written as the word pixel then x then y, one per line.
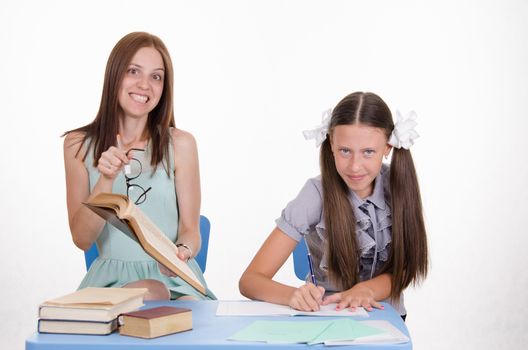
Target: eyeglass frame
pixel 143 197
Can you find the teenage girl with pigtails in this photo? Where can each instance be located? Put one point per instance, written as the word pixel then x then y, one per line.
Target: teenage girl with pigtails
pixel 361 219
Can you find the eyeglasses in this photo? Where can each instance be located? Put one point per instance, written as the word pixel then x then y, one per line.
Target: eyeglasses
pixel 132 171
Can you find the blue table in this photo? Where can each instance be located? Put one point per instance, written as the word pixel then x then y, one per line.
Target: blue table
pixel 209 331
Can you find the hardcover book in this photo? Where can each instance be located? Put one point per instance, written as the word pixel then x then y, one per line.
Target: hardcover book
pixel 76 327
pixel 155 322
pixel 93 304
pixel 128 218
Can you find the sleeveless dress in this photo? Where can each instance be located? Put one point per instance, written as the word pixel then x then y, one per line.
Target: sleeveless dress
pixel 121 260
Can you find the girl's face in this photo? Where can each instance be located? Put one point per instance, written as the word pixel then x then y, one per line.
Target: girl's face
pixel 358 153
pixel 142 85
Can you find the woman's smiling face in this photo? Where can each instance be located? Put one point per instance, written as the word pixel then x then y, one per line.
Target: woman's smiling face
pixel 142 84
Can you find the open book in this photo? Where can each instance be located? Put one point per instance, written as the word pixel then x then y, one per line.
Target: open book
pixel 128 218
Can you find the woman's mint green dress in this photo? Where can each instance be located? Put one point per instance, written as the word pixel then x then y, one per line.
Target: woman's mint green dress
pixel 121 260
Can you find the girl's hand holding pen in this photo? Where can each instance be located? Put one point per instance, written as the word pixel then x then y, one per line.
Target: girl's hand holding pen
pixel 307 297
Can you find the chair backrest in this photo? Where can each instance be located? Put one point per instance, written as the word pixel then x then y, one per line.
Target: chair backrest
pixel 205 228
pixel 300 260
pixel 90 255
pixel 201 258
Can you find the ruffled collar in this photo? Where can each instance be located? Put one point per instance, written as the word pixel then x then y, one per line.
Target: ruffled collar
pixel 369 246
pixel 378 198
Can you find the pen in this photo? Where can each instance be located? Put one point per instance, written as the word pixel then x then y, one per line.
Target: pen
pixel 126 168
pixel 310 264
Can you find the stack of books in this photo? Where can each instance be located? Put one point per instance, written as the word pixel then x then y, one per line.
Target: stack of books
pixel 89 310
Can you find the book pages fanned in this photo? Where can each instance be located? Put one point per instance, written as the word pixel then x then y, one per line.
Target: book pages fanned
pixel 109 214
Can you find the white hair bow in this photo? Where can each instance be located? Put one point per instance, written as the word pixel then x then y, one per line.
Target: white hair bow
pixel 320 132
pixel 403 135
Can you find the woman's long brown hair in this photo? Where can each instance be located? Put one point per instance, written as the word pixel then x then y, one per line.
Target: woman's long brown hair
pixel 103 129
pixel 408 258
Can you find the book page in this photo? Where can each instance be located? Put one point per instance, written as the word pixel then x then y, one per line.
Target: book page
pixel 161 248
pixel 117 202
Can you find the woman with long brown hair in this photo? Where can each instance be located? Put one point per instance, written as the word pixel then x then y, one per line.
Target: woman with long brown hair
pixel 361 219
pixel 133 147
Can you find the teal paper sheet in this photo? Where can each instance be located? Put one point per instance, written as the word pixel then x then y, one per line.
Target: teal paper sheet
pixel 345 329
pixel 311 332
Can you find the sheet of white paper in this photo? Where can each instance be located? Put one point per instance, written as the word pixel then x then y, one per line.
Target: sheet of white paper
pixel 329 310
pixel 392 335
pixel 250 308
pixel 260 308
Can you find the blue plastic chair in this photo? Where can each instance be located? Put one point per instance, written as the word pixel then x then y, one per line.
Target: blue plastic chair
pixel 300 260
pixel 201 258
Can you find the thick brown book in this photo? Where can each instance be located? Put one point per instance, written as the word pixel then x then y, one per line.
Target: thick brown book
pixel 127 217
pixel 93 304
pixel 155 322
pixel 77 327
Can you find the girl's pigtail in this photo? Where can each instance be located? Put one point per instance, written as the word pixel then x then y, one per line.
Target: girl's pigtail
pixel 342 252
pixel 408 260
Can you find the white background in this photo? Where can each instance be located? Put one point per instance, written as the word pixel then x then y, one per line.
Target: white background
pixel 249 77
